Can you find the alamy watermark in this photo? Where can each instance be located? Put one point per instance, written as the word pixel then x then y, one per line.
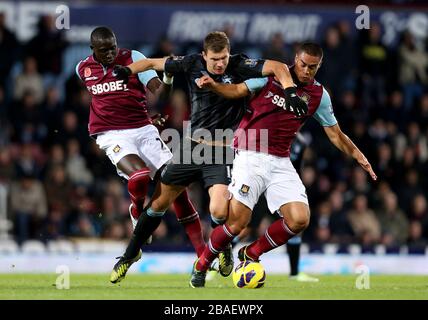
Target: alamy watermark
pixel 62 20
pixel 63 279
pixel 363 280
pixel 363 20
pixel 202 146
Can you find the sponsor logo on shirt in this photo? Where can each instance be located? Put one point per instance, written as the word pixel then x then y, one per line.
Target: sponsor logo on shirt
pixel 280 101
pixel 269 94
pixel 107 87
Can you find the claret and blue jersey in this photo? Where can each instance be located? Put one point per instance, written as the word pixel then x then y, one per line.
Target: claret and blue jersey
pixel 267 111
pixel 115 105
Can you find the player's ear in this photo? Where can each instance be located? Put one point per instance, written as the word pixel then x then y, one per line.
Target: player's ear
pixel 204 55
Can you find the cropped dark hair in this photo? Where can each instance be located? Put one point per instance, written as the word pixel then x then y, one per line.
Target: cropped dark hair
pixel 216 41
pixel 311 48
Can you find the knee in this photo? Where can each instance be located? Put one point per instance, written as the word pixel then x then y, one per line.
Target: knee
pixel 237 223
pixel 297 221
pixel 237 226
pixel 218 210
pixel 159 205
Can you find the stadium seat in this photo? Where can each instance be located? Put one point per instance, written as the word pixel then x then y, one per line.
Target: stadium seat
pixel 8 247
pixel 354 249
pixel 330 248
pixel 60 247
pixel 88 246
pixel 304 248
pixel 113 247
pixel 33 247
pixel 380 249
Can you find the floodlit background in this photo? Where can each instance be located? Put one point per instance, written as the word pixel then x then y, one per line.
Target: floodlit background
pixel 61 202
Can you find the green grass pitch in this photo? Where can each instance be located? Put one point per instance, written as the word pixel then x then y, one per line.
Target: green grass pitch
pixel 175 287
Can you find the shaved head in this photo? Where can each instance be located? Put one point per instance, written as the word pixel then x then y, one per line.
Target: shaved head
pixel 104 45
pixel 101 34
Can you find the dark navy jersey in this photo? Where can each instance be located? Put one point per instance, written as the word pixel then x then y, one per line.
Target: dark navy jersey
pixel 209 110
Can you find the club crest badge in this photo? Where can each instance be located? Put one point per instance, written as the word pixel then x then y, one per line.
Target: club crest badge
pixel 244 190
pixel 305 97
pixel 250 62
pixel 116 149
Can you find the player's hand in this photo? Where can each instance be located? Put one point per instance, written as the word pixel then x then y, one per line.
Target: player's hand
pixel 159 120
pixel 122 73
pixel 365 164
pixel 294 103
pixel 205 82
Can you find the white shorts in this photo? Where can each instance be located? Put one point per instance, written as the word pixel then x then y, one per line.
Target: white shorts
pixel 255 173
pixel 145 142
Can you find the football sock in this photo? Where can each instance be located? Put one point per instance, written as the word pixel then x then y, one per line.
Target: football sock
pixel 276 235
pixel 220 238
pixel 138 184
pixel 215 222
pixel 147 223
pixel 188 217
pixel 293 250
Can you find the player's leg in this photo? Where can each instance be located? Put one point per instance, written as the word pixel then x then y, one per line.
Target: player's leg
pixel 287 193
pixel 138 182
pixel 293 250
pixel 123 149
pixel 219 202
pixel 295 220
pixel 151 216
pixel 216 178
pixel 246 187
pixel 148 222
pixel 238 218
pixel 156 154
pixel 188 217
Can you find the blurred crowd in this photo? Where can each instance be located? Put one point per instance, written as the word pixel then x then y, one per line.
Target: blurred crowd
pixel 59 184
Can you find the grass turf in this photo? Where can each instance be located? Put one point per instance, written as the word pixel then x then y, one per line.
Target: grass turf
pixel 175 287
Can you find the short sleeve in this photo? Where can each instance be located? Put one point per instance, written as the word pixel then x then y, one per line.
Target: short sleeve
pixel 248 68
pixel 77 69
pixel 177 64
pixel 255 84
pixel 324 114
pixel 147 75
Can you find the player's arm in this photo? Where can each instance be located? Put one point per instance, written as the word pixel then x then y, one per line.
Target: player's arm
pixel 138 66
pixel 325 116
pixel 229 91
pixel 232 91
pixel 345 144
pixel 150 78
pixel 147 64
pixel 280 71
pixel 283 75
